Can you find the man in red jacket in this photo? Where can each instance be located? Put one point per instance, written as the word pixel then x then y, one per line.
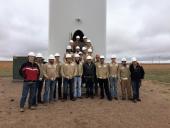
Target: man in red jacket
pixel 30 72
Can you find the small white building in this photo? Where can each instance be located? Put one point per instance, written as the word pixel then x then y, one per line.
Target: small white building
pixel 68 16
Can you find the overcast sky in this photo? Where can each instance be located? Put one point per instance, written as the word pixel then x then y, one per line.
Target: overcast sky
pixel 134 28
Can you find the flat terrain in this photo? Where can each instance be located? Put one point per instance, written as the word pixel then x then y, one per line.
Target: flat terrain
pixel 152 112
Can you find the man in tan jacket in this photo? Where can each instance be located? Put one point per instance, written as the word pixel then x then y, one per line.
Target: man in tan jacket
pixel 113 76
pixel 124 77
pixel 102 72
pixel 68 72
pixel 50 75
pixel 97 62
pixel 40 81
pixel 78 77
pixel 58 77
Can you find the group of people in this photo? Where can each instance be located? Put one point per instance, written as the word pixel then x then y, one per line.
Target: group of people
pixel 80 68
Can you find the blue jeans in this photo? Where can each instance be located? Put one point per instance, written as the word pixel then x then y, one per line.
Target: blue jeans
pixel 68 83
pixel 49 90
pixel 113 86
pixel 38 89
pixel 28 87
pixel 77 86
pixel 135 87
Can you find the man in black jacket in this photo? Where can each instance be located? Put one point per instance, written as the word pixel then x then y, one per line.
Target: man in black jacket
pixel 89 74
pixel 137 74
pixel 30 72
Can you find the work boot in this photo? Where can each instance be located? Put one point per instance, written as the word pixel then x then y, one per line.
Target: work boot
pixel 21 110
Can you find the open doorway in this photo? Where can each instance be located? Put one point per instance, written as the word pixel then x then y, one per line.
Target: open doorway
pixel 78 33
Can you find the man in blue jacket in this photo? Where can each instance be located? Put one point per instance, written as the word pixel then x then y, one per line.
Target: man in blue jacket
pixel 137 74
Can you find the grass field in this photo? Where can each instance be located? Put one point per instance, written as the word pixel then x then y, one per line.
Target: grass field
pixel 158 72
pixel 6 68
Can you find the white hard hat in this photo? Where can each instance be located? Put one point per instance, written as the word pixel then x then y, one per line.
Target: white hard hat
pixel 71 41
pixel 123 59
pixel 51 57
pixel 88 41
pixel 76 55
pixel 68 47
pixel 102 57
pixel 68 56
pixel 77 47
pixel 134 59
pixel 39 55
pixel 113 56
pixel 84 37
pixel 57 54
pixel 90 50
pixel 77 37
pixel 89 58
pixel 84 48
pixel 31 54
pixel 80 53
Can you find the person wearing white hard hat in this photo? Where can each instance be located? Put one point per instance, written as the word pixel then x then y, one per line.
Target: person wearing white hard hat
pixel 84 50
pixel 84 39
pixel 89 74
pixel 68 71
pixel 113 76
pixel 69 49
pixel 102 72
pixel 71 43
pixel 50 75
pixel 77 50
pixel 97 62
pixel 30 73
pixel 40 81
pixel 88 44
pixel 90 53
pixel 84 55
pixel 78 77
pixel 58 77
pixel 124 78
pixel 137 74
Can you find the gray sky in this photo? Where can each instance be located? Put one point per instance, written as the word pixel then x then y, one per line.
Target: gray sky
pixel 135 28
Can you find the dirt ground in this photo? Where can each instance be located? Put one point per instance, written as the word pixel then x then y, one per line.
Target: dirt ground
pixel 152 112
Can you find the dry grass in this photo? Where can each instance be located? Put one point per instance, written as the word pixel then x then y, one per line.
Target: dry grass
pixel 6 68
pixel 158 72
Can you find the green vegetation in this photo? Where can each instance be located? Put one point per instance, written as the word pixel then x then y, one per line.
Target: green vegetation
pixel 5 72
pixel 161 75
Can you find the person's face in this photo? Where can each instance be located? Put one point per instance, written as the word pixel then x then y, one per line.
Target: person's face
pixel 134 62
pixel 77 58
pixel 124 62
pixel 89 60
pixel 69 50
pixel 97 58
pixel 77 39
pixel 102 60
pixel 31 59
pixel 113 60
pixel 85 40
pixel 90 53
pixel 77 50
pixel 51 61
pixel 71 44
pixel 39 59
pixel 57 58
pixel 69 60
